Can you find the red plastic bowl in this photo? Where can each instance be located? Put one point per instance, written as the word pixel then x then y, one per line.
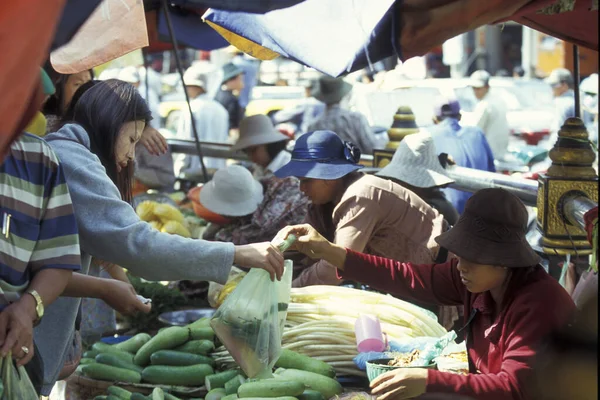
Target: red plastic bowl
pixel 201 211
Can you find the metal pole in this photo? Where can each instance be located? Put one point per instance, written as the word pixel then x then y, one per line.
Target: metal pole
pixel 472 180
pixel 576 80
pixel 575 208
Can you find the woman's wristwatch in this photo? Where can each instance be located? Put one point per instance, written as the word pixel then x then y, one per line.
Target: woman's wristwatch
pixel 39 305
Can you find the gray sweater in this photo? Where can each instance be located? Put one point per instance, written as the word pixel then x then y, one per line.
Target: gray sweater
pixel 110 230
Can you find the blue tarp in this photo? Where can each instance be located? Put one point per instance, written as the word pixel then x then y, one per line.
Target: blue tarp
pixel 331 36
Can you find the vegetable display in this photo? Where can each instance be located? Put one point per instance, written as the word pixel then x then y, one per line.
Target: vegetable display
pixel 320 325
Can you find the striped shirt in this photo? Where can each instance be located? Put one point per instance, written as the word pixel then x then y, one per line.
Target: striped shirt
pixel 39 229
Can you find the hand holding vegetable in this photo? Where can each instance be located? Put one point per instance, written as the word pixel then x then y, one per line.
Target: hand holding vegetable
pixel 399 384
pixel 121 296
pixel 314 245
pixel 260 255
pixel 153 141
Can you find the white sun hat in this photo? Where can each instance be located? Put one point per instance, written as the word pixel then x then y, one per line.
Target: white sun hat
pixel 256 130
pixel 416 163
pixel 232 192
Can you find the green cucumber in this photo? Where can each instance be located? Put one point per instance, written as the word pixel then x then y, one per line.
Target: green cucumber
pixel 116 361
pixel 271 398
pixel 328 387
pixel 271 388
pixel 138 396
pixel 111 397
pixel 171 337
pixel 192 375
pixel 107 348
pixel 310 394
pixel 102 397
pixel 85 361
pixel 205 333
pixel 132 345
pixel 230 397
pixel 232 385
pixel 119 392
pixel 201 323
pixel 179 358
pixel 291 359
pixel 218 380
pixel 157 394
pixel 215 394
pixel 201 347
pixel 105 372
pixel 169 396
pixel 90 354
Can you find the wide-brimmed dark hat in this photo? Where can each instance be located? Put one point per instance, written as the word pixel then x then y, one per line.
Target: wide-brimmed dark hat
pixel 330 90
pixel 321 155
pixel 230 71
pixel 492 231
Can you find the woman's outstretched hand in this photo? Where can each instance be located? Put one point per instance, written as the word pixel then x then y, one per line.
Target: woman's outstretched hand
pixel 311 243
pixel 260 255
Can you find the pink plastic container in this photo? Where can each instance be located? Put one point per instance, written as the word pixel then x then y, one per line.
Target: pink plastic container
pixel 369 337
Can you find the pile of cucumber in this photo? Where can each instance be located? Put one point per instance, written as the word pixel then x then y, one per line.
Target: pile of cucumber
pixel 176 356
pixel 298 377
pixel 180 356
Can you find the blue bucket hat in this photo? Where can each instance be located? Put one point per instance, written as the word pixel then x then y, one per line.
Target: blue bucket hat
pixel 321 155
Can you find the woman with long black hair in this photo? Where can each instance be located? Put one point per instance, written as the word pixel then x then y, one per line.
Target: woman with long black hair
pixel 97 151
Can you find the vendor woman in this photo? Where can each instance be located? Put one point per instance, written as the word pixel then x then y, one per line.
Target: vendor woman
pixel 510 302
pixel 362 212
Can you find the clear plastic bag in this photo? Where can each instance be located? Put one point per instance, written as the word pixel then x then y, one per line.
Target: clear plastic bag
pixel 15 384
pixel 250 321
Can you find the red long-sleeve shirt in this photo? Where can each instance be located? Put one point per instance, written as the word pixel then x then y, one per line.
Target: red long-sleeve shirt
pixel 501 351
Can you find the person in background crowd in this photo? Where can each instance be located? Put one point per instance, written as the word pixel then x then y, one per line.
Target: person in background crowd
pixel 66 86
pixel 589 105
pixel 490 114
pixel 211 118
pixel 416 167
pixel 97 150
pixel 518 72
pixel 362 212
pixel 511 303
pixel 250 66
pixel 233 83
pixel 264 145
pixel 466 145
pixel 38 125
pixel 257 209
pixel 349 126
pixel 561 81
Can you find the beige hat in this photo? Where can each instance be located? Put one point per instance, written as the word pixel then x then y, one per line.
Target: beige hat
pixel 232 192
pixel 256 130
pixel 416 163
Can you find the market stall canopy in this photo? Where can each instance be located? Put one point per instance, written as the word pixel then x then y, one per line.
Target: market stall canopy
pixel 33 23
pixel 338 36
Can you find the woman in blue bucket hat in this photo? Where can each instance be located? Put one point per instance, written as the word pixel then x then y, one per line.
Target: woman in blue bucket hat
pixel 356 210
